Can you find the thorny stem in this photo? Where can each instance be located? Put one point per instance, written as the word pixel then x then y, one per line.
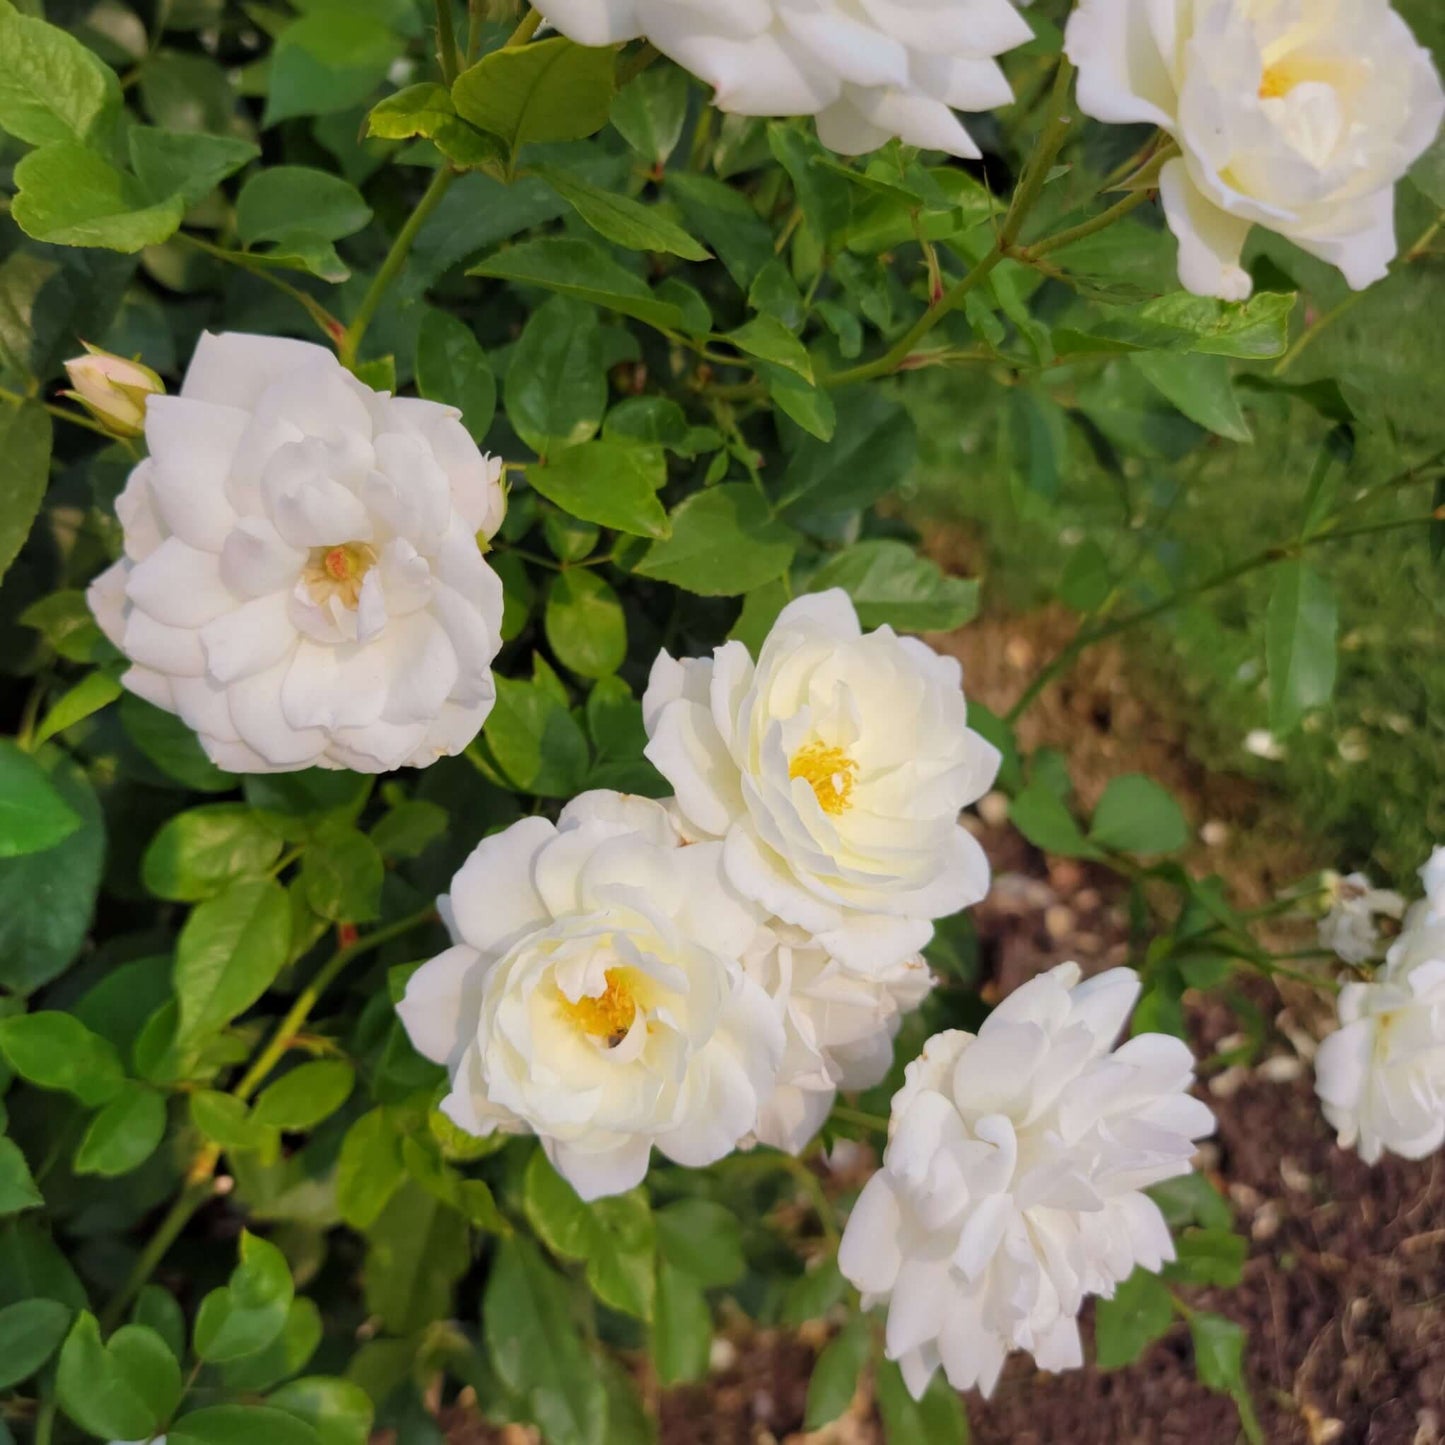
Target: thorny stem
pixel 200 1183
pixel 1087 637
pixel 350 343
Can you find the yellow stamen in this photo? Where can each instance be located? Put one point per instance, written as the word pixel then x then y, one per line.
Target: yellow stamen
pixel 607 1015
pixel 829 772
pixel 339 572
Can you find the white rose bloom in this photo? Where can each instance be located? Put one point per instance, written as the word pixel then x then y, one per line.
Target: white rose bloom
pixel 595 996
pixel 868 69
pixel 1011 1185
pixel 1381 1076
pixel 834 770
pixel 1295 115
pixel 302 581
pixel 1349 928
pixel 839 1026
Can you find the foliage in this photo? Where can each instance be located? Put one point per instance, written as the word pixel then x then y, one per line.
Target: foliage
pixel 678 329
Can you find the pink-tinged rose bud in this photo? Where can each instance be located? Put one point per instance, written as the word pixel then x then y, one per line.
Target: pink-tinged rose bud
pixel 113 390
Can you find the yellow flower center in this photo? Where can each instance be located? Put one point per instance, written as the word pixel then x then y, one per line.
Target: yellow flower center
pixel 607 1015
pixel 339 572
pixel 829 772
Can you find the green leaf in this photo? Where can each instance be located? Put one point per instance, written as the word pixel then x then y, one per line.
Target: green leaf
pixel 54 1050
pixel 123 1389
pixel 46 898
pixel 723 543
pixel 225 1120
pixel 25 444
pixel 410 828
pixel 427 110
pixel 285 1356
pixel 308 1094
pixel 611 483
pixel 283 203
pixel 812 1294
pixel 159 1310
pixel 620 219
pixel 17 1187
pixel 650 111
pixel 682 1326
pixel 873 451
pixel 369 1171
pixel 556 383
pixel 340 1412
pixel 536 1349
pixel 1218 1352
pixel 229 952
pixel 1200 386
pixel 937 1418
pixel 890 584
pixel 1192 1199
pixel 536 741
pixel 416 1252
pixel 71 196
pixel 551 90
pixel 1300 631
pixel 726 220
pixel 93 692
pixel 244 1317
pixel 1042 817
pixel 241 1425
pixel 188 164
pixel 33 815
pixel 30 1330
pixel 125 1133
pixel 811 407
pixel 584 623
pixel 1254 330
pixel 168 743
pixel 342 874
pixel 834 1380
pixel 1136 815
pixel 575 267
pixel 1126 1325
pixel 51 87
pixel 766 337
pixel 451 367
pixel 702 1239
pixel 329 60
pixel 199 852
pixel 614 1237
pixel 1209 1256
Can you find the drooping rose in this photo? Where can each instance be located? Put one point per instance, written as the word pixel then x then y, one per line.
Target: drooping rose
pixel 839 1025
pixel 868 69
pixel 303 580
pixel 834 771
pixel 1381 1075
pixel 595 995
pixel 1012 1185
pixel 1349 927
pixel 1296 115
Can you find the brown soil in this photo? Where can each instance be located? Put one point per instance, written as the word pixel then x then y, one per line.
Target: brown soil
pixel 1344 1291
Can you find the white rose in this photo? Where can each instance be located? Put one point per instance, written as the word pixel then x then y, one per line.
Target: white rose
pixel 834 770
pixel 868 69
pixel 302 580
pixel 1295 115
pixel 595 996
pixel 839 1026
pixel 1349 928
pixel 1012 1184
pixel 1381 1076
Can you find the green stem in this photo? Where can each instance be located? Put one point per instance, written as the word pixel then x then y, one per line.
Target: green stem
pixel 200 1184
pixel 45 1421
pixel 629 69
pixel 875 1122
pixel 75 418
pixel 350 343
pixel 328 324
pixel 1036 172
pixel 525 31
pixel 1089 636
pixel 446 42
pixel 812 1186
pixel 1101 222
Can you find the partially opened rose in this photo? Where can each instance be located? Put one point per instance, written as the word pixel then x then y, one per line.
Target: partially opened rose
pixel 834 770
pixel 1295 115
pixel 868 69
pixel 595 995
pixel 303 580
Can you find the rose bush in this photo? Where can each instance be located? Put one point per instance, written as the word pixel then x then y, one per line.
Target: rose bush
pixel 485 843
